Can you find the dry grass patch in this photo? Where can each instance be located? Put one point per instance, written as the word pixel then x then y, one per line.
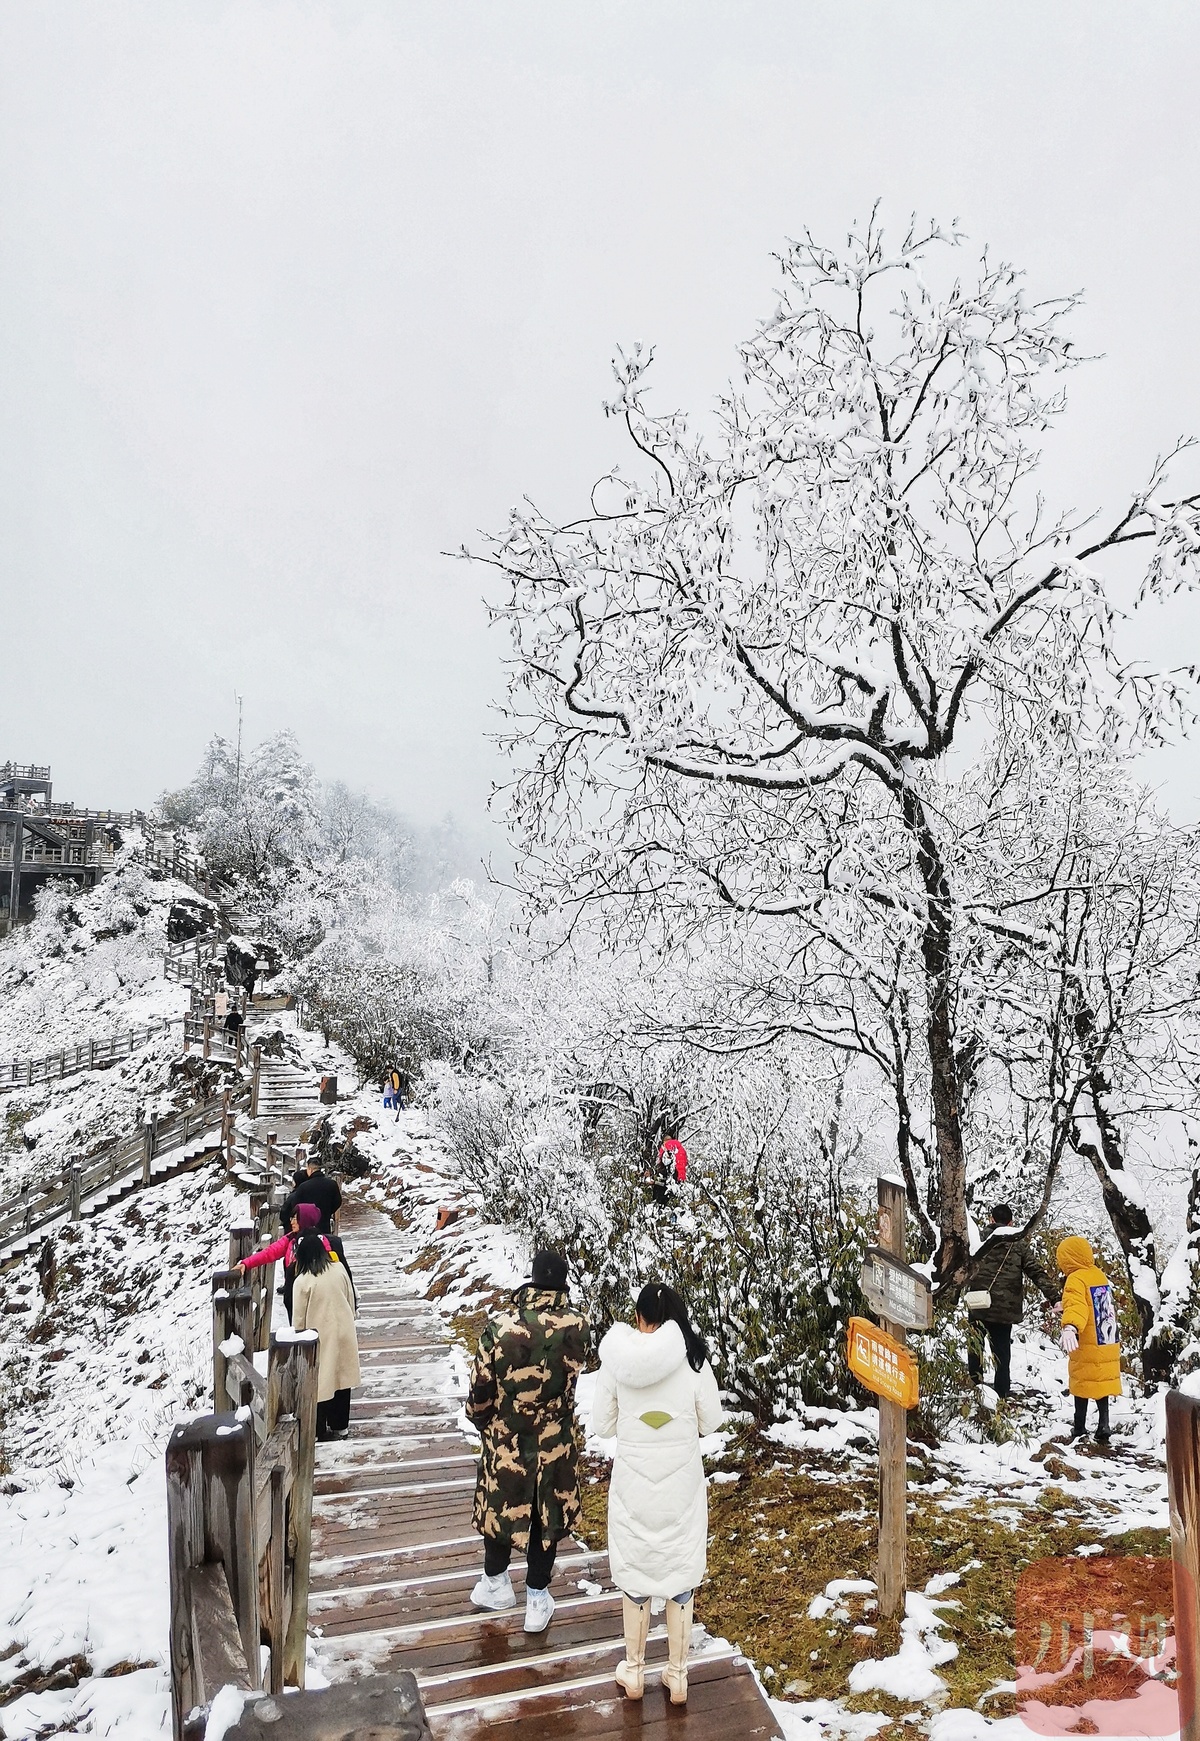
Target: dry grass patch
pixel 784 1530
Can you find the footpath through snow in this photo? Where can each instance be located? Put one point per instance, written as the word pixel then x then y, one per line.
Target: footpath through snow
pixel 94 1380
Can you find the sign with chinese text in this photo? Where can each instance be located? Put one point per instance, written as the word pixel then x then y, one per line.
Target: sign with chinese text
pixel 882 1364
pixel 896 1291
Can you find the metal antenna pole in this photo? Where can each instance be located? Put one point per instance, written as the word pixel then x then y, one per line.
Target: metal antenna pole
pixel 237 772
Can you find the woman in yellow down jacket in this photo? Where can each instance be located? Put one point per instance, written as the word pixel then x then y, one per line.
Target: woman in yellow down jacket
pixel 1089 1334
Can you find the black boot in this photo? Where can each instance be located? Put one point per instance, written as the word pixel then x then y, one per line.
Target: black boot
pixel 1103 1430
pixel 1079 1430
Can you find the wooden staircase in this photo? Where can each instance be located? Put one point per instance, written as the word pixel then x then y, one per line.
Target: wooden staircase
pixel 395 1558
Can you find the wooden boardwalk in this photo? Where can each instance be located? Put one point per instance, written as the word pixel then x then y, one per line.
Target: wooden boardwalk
pixel 395 1557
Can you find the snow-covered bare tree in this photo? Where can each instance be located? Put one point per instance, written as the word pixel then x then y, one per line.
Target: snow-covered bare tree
pixel 1087 957
pixel 744 676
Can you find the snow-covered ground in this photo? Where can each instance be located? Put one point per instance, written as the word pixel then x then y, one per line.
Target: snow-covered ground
pixel 88 967
pixel 89 964
pixel 92 1382
pixel 94 1379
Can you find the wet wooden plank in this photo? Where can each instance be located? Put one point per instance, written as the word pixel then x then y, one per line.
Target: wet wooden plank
pixel 724 1704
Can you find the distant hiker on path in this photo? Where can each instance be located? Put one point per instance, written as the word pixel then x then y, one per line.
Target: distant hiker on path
pixel 324 1302
pixel 1089 1337
pixel 393 1092
pixel 996 1296
pixel 315 1187
pixel 522 1400
pixel 656 1392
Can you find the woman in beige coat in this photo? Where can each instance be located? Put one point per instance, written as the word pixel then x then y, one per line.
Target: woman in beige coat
pixel 323 1300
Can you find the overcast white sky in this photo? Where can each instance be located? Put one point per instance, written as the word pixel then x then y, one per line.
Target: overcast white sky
pixel 294 297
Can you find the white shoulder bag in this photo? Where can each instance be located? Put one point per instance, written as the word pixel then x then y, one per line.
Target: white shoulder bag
pixel 980 1299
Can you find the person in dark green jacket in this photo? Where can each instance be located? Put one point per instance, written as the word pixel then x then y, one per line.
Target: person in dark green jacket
pixel 999 1268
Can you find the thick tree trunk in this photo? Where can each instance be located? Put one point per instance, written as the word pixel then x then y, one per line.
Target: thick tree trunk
pixel 1173 1339
pixel 1122 1196
pixel 950 1182
pixel 927 1237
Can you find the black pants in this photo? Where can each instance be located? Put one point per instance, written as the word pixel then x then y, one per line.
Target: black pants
pixel 1081 1403
pixel 540 1559
pixel 1000 1337
pixel 333 1416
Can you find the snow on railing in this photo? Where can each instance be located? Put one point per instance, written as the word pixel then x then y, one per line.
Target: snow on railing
pixel 65 1195
pixel 87 1055
pixel 242 1481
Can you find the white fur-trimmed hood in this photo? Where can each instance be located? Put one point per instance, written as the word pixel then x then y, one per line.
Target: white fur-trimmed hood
pixel 640 1360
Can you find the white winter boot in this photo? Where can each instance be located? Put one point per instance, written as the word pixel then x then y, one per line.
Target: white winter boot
pixel 494 1593
pixel 631 1672
pixel 679 1638
pixel 539 1607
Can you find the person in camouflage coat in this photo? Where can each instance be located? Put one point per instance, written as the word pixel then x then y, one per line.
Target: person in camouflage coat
pixel 522 1400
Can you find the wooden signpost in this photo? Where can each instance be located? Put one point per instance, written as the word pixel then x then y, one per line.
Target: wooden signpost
pixel 904 1301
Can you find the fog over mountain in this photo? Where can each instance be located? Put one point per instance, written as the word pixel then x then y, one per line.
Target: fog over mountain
pixel 294 298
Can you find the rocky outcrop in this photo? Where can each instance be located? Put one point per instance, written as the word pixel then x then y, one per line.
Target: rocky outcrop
pixel 191 916
pixel 241 963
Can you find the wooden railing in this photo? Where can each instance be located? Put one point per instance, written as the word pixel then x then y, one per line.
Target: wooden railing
pixel 180 865
pixel 65 1194
pixel 1183 1488
pixel 73 1060
pixel 194 960
pixel 214 1042
pixel 239 1500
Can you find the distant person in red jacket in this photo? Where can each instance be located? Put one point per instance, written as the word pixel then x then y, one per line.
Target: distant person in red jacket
pixel 673 1158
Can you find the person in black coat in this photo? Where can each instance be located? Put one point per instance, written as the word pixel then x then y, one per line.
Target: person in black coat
pixel 998 1272
pixel 316 1187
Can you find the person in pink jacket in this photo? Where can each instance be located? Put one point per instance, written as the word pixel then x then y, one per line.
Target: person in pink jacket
pixel 304 1218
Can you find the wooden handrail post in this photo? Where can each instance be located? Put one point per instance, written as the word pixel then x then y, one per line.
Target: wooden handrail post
pixel 891 1575
pixel 233 1310
pixel 149 1135
pixel 255 1066
pixel 210 1520
pixel 226 1129
pixel 76 1203
pixel 1183 1489
pixel 272 1156
pixel 207 1035
pixel 292 1390
pixel 243 1239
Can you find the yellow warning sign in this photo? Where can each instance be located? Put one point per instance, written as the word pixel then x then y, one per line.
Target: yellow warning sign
pixel 882 1364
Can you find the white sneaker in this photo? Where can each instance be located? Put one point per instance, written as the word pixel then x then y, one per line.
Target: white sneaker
pixel 494 1592
pixel 539 1606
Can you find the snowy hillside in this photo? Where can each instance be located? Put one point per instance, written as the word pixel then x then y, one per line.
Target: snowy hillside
pixel 89 966
pixel 91 1383
pixel 90 962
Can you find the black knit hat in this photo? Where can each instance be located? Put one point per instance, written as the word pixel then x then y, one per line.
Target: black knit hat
pixel 549 1271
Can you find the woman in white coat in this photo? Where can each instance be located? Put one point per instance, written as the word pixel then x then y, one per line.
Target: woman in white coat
pixel 656 1392
pixel 323 1301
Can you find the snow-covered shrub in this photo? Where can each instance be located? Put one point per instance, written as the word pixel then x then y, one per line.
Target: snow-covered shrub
pixel 520 1154
pixel 387 1013
pixel 768 1254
